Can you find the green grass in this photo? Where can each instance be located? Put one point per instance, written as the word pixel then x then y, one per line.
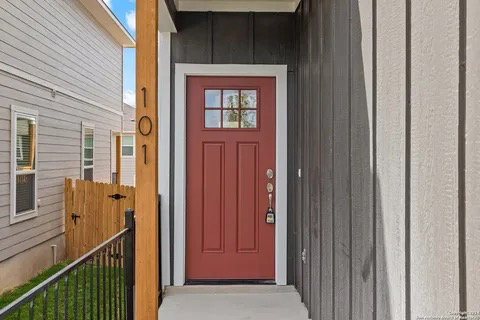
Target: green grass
pixel 87 273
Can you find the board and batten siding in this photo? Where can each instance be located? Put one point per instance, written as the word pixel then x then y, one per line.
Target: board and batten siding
pixel 55 43
pixel 472 170
pixel 391 116
pixel 238 38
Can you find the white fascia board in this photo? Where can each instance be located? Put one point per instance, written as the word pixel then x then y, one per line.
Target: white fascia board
pixel 102 13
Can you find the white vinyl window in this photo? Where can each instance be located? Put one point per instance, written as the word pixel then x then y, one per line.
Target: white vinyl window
pixel 88 135
pixel 128 145
pixel 24 141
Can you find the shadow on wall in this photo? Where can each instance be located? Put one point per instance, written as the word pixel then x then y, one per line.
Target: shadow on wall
pixel 370 274
pixel 370 285
pixel 351 280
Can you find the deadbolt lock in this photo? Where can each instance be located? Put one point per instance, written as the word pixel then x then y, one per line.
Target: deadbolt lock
pixel 270 174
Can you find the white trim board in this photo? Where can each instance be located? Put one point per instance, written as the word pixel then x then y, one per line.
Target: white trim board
pixel 164 151
pixel 280 73
pixel 238 6
pixel 104 16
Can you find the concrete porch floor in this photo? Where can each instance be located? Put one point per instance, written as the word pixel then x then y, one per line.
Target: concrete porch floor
pixel 232 303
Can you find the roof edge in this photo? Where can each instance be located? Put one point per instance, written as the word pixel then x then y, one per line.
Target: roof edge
pixel 102 13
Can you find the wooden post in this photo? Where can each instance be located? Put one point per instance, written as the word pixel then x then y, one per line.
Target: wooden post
pixel 118 157
pixel 146 211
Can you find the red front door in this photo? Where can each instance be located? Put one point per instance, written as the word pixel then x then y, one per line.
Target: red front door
pixel 230 147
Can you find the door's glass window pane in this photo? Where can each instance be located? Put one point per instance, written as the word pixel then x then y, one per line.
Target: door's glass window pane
pixel 230 118
pixel 25 144
pixel 213 98
pixel 249 99
pixel 230 99
pixel 212 119
pixel 249 119
pixel 25 188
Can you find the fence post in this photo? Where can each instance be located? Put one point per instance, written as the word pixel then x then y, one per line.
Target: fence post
pixel 129 254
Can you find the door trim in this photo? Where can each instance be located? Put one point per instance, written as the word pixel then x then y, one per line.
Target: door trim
pixel 279 72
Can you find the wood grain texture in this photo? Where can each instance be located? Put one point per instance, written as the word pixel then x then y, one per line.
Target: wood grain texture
pixel 100 216
pixel 473 156
pixel 231 45
pixel 314 163
pixel 275 49
pixel 118 158
pixel 298 157
pixel 390 189
pixel 305 113
pixel 361 159
pixel 341 161
pixel 326 161
pixel 146 196
pixel 434 162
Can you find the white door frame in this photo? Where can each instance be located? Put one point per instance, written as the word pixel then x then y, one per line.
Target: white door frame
pixel 280 73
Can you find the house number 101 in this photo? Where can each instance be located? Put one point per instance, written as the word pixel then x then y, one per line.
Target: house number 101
pixel 145 125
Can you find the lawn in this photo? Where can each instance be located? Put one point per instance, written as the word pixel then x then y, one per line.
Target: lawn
pixel 90 289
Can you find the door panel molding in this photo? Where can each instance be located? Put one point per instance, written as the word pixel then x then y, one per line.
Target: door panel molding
pixel 279 72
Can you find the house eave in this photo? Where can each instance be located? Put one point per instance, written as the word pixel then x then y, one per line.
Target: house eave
pixel 102 13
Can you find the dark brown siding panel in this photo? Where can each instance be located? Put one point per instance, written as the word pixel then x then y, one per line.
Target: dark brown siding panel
pixel 298 158
pixel 361 161
pixel 268 30
pixel 231 38
pixel 305 92
pixel 291 178
pixel 326 153
pixel 190 44
pixel 341 153
pixel 314 61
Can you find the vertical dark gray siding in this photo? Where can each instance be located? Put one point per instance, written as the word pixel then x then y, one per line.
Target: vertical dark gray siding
pixel 385 205
pixel 240 38
pixel 387 236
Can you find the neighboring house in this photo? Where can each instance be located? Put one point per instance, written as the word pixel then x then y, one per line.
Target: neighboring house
pixel 60 99
pixel 127 172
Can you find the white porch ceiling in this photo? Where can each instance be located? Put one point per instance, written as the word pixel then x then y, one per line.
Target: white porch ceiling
pixel 238 5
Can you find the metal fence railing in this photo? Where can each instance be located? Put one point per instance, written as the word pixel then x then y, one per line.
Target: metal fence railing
pixel 98 285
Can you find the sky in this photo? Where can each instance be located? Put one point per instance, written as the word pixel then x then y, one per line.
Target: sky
pixel 125 12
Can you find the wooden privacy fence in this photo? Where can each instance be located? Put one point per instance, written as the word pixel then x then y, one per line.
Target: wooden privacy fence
pixel 94 212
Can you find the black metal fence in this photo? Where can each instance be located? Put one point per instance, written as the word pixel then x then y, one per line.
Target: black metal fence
pixel 99 285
